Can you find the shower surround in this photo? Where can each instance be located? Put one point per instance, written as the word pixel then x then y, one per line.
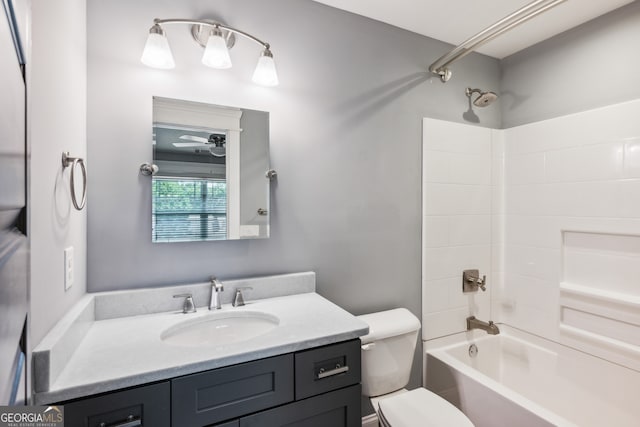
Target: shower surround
pixel 550 212
pixel 572 231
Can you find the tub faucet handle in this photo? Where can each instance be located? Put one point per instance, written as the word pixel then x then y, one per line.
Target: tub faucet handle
pixel 482 284
pixel 471 281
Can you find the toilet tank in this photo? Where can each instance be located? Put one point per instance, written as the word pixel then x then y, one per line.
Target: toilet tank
pixel 387 350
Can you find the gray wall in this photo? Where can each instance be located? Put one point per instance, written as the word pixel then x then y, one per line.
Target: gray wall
pixel 345 140
pixel 56 111
pixel 591 66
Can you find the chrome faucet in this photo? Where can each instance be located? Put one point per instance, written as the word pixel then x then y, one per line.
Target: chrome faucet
pixel 490 327
pixel 216 291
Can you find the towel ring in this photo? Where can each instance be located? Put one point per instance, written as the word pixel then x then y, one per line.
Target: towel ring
pixel 73 162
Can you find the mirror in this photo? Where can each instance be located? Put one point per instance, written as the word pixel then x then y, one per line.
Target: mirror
pixel 211 182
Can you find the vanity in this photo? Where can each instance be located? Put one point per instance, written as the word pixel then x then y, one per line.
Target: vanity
pixel 132 358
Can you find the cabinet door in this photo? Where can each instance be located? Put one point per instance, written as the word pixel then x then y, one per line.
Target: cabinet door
pixel 339 408
pixel 327 368
pixel 211 397
pixel 142 406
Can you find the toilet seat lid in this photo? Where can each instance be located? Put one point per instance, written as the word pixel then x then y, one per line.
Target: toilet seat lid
pixel 420 407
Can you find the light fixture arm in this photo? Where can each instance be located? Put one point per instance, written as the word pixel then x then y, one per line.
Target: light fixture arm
pixel 213 25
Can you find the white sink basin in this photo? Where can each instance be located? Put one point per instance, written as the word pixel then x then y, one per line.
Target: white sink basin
pixel 220 329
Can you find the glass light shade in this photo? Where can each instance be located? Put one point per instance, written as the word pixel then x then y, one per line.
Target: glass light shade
pixel 157 53
pixel 265 73
pixel 216 53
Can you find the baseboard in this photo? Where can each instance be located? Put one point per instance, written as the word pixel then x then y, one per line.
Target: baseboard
pixel 370 421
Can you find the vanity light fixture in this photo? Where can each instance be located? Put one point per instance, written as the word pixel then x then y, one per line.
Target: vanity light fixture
pixel 216 53
pixel 216 39
pixel 157 53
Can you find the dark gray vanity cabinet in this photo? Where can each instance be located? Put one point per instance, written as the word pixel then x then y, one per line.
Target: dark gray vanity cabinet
pixel 323 369
pixel 148 405
pixel 316 387
pixel 319 387
pixel 339 408
pixel 209 397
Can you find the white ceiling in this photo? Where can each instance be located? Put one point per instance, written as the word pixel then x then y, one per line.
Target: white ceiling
pixel 454 21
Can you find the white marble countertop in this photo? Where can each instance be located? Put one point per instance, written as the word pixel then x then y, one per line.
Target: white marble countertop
pixel 128 351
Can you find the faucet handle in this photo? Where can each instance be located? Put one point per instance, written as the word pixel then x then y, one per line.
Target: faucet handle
pixel 471 281
pixel 482 284
pixel 188 306
pixel 238 300
pixel 216 284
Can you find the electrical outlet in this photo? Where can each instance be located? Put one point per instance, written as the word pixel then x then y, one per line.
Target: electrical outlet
pixel 68 267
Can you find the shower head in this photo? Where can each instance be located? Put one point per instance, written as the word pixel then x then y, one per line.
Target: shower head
pixel 484 98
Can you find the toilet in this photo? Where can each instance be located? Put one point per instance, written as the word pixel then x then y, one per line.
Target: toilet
pixel 387 356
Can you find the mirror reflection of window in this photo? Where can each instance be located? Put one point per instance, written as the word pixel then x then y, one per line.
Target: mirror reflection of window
pixel 189 209
pixel 211 183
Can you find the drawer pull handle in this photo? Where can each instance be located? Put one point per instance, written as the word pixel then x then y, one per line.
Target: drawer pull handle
pixel 131 421
pixel 338 370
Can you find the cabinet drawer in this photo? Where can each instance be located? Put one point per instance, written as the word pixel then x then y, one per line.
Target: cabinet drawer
pixel 323 369
pixel 336 409
pixel 225 393
pixel 142 406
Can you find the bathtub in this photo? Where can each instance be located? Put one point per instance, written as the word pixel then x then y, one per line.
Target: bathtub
pixel 520 380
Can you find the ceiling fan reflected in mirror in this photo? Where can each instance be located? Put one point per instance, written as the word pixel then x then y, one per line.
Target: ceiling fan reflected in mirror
pixel 215 143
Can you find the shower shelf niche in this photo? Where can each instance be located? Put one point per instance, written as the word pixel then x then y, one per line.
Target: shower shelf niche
pixel 600 295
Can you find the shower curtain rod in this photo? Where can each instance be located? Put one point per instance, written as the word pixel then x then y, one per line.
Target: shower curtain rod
pixel 441 66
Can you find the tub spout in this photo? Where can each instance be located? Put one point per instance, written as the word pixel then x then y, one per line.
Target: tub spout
pixel 490 327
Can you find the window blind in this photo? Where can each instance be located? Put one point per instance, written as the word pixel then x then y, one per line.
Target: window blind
pixel 189 209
